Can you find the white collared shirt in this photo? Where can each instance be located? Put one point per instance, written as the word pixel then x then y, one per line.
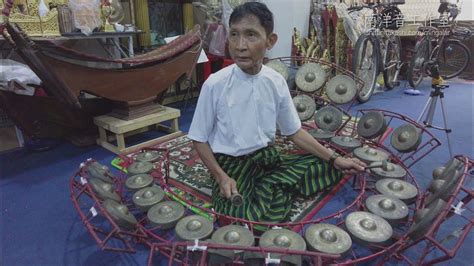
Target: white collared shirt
pixel 238 113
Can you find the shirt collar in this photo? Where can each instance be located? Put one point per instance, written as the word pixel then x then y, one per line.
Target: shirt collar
pixel 242 75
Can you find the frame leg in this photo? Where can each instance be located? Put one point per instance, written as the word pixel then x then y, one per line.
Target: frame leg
pixel 446 129
pixel 174 125
pixel 120 141
pixel 102 134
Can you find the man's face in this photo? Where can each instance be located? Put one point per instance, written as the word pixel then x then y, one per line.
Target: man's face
pixel 248 42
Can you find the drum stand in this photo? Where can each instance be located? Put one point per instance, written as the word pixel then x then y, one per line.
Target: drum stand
pixel 430 106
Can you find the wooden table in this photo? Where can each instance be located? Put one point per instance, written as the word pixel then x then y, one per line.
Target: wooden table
pixel 120 129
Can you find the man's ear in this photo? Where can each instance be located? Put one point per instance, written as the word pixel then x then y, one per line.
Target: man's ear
pixel 271 40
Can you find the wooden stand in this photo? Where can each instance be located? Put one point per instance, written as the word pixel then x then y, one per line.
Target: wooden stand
pixel 123 128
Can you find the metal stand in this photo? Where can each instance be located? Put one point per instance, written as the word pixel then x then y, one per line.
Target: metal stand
pixel 430 108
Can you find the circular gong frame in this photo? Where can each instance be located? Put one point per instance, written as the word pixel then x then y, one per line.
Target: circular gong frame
pixel 360 183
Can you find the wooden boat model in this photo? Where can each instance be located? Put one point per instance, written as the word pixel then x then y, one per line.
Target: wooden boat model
pixel 133 84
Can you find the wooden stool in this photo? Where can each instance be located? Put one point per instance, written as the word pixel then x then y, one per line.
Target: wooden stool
pixel 123 128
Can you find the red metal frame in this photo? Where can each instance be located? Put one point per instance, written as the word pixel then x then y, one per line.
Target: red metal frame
pixel 179 251
pixel 430 240
pixel 164 242
pixel 169 247
pixel 106 236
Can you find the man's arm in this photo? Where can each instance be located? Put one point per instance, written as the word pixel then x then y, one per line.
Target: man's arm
pixel 227 185
pixel 306 142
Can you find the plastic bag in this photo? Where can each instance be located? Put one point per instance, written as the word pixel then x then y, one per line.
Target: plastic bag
pixel 226 12
pixel 217 45
pixel 86 15
pixel 43 9
pixel 13 70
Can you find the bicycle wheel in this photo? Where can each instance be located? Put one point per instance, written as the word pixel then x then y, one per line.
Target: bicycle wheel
pixel 416 70
pixel 391 61
pixel 452 58
pixel 365 65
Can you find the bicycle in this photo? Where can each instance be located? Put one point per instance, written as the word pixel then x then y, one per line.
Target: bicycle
pixel 380 38
pixel 440 43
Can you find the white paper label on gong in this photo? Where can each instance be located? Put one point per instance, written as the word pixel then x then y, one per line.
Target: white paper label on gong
pixel 196 246
pixel 83 180
pixel 269 260
pixel 93 211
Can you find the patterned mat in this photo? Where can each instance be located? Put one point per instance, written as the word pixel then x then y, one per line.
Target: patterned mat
pixel 187 168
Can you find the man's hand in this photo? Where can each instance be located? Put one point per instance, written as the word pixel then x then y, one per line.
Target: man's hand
pixel 349 165
pixel 227 187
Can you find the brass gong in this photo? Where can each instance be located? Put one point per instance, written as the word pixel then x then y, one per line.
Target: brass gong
pixel 321 134
pixel 437 172
pixel 367 228
pixel 310 77
pixel 436 185
pixel 399 189
pixel 120 214
pixel 341 89
pixel 218 256
pixel 165 214
pixel 425 219
pixel 406 138
pixel 328 238
pixel 234 235
pixel 279 67
pixel 388 170
pixel 420 214
pixel 391 209
pixel 328 118
pixel 146 197
pixel 305 106
pixel 148 156
pixel 102 172
pixel 371 125
pixel 139 168
pixel 193 227
pixel 103 190
pixel 283 238
pixel 346 143
pixel 453 163
pixel 137 182
pixel 445 191
pixel 369 155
